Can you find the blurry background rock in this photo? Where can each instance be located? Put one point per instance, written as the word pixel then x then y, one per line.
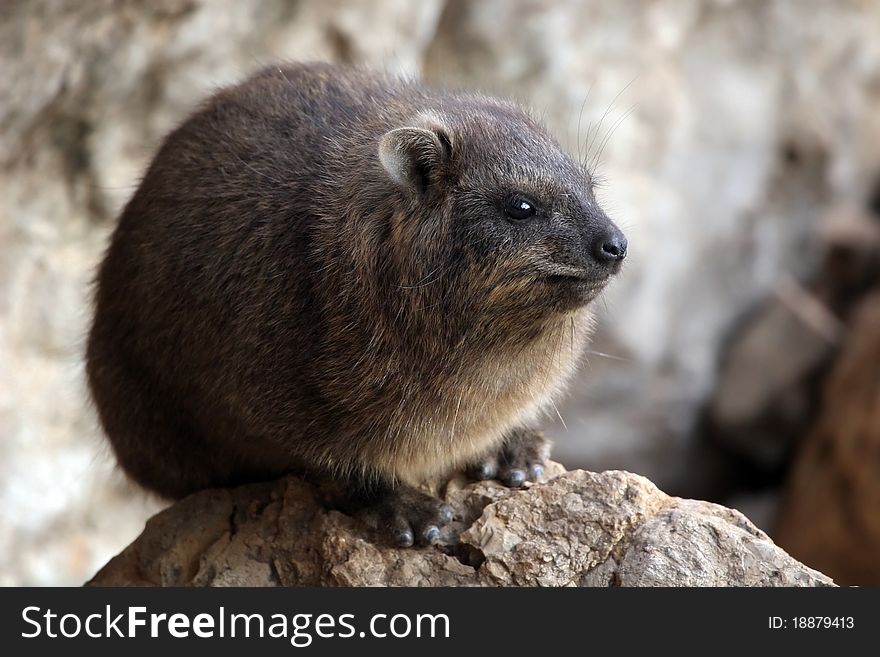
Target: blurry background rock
pixel 730 134
pixel 831 513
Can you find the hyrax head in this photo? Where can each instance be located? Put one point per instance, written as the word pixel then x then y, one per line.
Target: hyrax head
pixel 513 218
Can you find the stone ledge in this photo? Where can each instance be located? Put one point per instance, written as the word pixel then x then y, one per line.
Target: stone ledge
pixel 576 529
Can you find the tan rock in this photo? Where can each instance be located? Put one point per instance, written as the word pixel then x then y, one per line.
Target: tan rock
pixel 577 529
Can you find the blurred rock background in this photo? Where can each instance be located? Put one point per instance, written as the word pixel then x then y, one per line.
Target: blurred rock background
pixel 740 145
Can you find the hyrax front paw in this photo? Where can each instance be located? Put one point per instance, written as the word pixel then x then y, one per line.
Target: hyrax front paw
pixel 520 459
pixel 410 517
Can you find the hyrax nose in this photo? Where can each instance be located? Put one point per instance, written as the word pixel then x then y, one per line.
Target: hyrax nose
pixel 610 247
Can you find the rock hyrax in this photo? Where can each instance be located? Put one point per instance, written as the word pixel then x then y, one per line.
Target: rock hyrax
pixel 333 272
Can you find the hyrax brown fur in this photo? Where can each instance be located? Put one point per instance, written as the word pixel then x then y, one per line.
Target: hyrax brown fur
pixel 333 272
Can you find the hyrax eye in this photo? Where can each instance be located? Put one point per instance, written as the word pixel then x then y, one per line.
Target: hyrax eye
pixel 519 208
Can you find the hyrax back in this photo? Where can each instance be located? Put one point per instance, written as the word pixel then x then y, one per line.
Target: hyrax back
pixel 330 271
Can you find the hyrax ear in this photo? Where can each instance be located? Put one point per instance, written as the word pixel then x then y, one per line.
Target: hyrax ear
pixel 414 157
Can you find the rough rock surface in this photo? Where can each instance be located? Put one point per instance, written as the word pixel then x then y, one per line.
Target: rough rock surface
pixel 576 529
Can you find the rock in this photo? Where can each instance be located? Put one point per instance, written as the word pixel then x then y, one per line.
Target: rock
pixel 576 529
pixel 830 513
pixel 776 359
pixel 767 380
